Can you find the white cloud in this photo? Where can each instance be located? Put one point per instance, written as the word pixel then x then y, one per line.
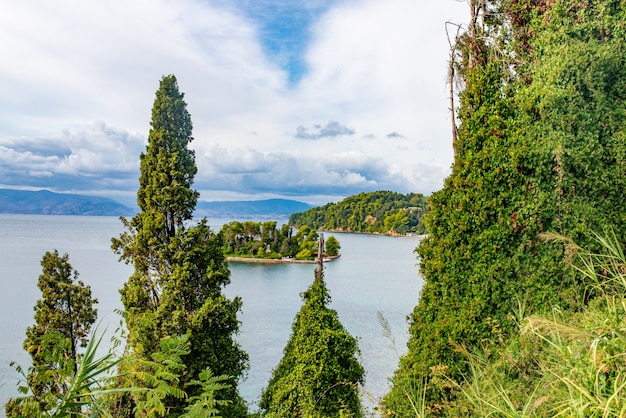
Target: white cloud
pixel 333 129
pixel 103 60
pixel 247 171
pixel 102 149
pixel 385 64
pixel 95 157
pixel 374 67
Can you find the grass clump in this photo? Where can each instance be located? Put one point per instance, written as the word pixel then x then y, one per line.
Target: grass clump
pixel 563 364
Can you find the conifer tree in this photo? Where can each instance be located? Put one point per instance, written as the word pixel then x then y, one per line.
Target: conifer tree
pixel 540 148
pixel 319 374
pixel 63 318
pixel 180 270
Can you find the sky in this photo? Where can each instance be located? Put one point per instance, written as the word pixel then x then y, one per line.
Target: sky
pixel 310 100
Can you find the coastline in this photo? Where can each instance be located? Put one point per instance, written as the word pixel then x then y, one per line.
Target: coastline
pixel 277 260
pixel 387 234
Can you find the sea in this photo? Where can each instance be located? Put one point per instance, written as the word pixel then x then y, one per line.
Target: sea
pixel 375 276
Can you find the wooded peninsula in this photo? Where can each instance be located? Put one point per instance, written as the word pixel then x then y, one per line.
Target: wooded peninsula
pixel 381 212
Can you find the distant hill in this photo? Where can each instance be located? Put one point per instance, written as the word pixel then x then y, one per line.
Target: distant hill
pixel 381 212
pixel 44 202
pixel 251 209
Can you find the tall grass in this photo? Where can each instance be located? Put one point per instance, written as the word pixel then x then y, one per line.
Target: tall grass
pixel 414 391
pixel 563 364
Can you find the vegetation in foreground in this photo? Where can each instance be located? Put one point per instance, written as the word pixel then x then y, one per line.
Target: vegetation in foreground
pixel 540 148
pixel 562 363
pixel 319 374
pixel 63 318
pixel 176 289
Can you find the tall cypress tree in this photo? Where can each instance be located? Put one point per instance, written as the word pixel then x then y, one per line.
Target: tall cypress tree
pixel 540 148
pixel 319 374
pixel 180 270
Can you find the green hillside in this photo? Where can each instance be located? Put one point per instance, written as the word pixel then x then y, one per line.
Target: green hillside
pixel 381 212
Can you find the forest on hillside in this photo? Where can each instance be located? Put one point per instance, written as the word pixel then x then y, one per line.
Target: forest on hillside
pixel 381 212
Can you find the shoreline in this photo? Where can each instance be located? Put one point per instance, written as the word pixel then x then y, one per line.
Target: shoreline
pixel 386 234
pixel 277 260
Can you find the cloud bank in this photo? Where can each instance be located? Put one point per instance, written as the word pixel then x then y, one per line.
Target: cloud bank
pixel 355 101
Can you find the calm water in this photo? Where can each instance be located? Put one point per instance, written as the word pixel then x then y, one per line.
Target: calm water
pixel 374 274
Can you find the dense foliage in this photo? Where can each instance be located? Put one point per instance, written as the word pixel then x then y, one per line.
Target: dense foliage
pixel 319 374
pixel 563 363
pixel 376 212
pixel 93 389
pixel 332 246
pixel 63 318
pixel 540 147
pixel 265 240
pixel 180 269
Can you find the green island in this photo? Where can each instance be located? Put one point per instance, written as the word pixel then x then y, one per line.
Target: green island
pixel 264 242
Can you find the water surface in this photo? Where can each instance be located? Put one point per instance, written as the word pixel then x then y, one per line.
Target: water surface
pixel 374 273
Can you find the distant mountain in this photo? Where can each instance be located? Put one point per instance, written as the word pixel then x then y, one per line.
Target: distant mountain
pixel 251 209
pixel 44 202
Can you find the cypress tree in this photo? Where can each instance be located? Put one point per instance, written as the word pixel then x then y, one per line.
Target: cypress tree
pixel 180 269
pixel 319 374
pixel 63 317
pixel 540 149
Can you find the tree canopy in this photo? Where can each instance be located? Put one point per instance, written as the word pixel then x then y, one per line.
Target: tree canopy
pixel 265 240
pixel 63 318
pixel 319 374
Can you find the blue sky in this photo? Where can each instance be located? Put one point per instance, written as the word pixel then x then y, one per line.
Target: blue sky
pixel 312 100
pixel 284 29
